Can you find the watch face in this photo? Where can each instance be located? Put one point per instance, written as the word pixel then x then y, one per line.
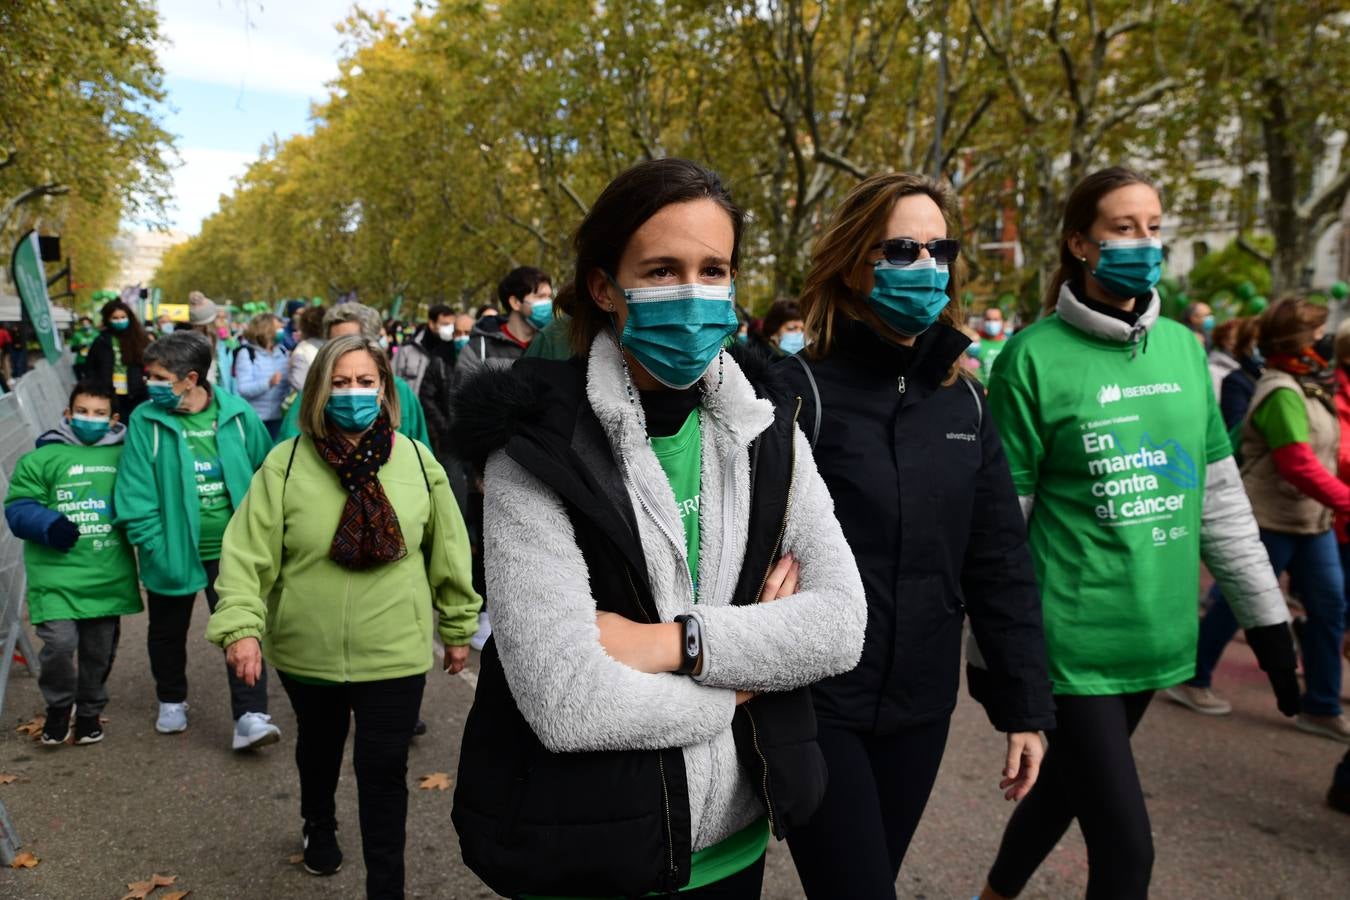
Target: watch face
pixel 691 648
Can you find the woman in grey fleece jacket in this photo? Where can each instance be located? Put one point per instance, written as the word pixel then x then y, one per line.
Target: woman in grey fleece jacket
pixel 598 683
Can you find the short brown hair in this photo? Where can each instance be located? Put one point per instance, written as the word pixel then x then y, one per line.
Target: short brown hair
pixel 842 251
pixel 262 330
pixel 319 383
pixel 782 312
pixel 1289 325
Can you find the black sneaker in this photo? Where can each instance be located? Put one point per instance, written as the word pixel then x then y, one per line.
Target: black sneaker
pixel 56 730
pixel 420 728
pixel 88 730
pixel 1338 798
pixel 323 856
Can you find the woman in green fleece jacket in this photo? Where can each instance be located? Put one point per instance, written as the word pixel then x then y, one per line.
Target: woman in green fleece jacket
pixel 347 554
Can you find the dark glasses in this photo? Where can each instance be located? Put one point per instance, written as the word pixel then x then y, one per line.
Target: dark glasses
pixel 903 251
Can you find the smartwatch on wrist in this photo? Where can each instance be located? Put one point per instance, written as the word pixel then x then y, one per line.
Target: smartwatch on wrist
pixel 692 645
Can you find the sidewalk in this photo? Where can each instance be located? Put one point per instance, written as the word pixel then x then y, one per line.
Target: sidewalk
pixel 1237 803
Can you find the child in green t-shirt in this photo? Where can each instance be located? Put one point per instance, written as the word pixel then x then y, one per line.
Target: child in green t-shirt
pixel 81 572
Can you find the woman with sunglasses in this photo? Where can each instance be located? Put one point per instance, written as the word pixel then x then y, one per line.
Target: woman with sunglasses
pixel 921 488
pixel 1122 463
pixel 658 548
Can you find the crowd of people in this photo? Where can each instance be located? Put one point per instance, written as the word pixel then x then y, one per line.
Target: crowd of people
pixel 728 563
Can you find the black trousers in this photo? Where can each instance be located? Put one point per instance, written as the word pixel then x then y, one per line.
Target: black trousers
pixel 166 641
pixel 1088 774
pixel 879 786
pixel 386 712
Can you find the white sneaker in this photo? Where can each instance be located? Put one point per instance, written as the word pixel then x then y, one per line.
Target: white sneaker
pixel 480 637
pixel 172 718
pixel 255 729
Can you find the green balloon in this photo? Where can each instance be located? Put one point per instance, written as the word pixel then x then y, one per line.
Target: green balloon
pixel 1340 290
pixel 1257 305
pixel 1247 291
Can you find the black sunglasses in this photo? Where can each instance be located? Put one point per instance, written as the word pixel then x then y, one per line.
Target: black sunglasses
pixel 903 251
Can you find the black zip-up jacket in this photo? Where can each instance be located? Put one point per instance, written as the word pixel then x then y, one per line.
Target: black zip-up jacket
pixel 922 490
pixel 613 822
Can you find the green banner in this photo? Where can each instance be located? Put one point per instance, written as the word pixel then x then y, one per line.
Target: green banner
pixel 31 280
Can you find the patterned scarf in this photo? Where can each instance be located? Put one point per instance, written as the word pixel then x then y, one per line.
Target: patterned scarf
pixel 368 533
pixel 1314 374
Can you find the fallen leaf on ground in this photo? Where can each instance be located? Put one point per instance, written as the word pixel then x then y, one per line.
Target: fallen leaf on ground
pixel 33 727
pixel 295 858
pixel 439 781
pixel 139 890
pixel 8 779
pixel 24 860
pixel 176 895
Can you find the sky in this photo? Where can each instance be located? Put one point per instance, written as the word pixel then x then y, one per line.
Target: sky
pixel 238 72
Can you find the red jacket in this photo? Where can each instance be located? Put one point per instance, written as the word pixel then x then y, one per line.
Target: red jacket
pixel 1343 453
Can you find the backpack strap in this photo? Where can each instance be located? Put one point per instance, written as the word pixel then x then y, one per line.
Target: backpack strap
pixel 421 465
pixel 815 397
pixel 979 407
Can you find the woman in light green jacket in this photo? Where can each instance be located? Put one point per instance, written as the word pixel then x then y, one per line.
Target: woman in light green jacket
pixel 348 553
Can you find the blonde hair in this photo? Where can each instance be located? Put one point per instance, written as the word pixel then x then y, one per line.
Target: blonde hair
pixel 840 256
pixel 262 330
pixel 319 384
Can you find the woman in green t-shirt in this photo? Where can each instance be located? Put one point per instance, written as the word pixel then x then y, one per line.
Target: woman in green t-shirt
pixel 190 455
pixel 1125 470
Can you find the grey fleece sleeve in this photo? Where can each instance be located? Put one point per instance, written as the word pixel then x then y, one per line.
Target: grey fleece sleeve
pixel 572 693
pixel 815 633
pixel 1230 544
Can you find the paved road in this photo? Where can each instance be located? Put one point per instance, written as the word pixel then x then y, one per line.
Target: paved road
pixel 1237 803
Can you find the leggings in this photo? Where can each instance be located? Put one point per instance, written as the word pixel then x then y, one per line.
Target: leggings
pixel 1088 774
pixel 879 786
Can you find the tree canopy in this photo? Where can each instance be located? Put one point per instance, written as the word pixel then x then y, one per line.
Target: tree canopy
pixel 81 145
pixel 473 138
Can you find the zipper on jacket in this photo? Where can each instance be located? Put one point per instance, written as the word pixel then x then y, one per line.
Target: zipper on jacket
pixel 764 766
pixel 787 507
pixel 900 385
pixel 670 829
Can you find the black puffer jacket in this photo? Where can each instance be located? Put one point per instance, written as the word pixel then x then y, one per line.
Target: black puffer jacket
pixel 922 490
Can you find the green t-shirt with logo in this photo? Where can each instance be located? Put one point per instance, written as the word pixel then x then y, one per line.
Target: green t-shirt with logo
pixel 681 458
pixel 990 350
pixel 1113 442
pixel 98 576
pixel 199 430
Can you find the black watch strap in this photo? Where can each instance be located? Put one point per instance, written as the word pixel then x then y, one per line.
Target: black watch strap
pixel 692 645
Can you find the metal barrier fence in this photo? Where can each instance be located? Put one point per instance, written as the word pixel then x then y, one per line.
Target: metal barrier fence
pixel 35 405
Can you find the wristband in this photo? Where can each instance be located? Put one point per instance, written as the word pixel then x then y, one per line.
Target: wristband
pixel 691 645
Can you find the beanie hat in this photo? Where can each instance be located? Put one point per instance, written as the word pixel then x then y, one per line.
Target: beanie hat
pixel 201 310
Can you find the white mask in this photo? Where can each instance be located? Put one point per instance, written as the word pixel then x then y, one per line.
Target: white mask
pixel 446 333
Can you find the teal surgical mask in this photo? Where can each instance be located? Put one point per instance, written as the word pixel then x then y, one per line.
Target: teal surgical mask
pixel 461 342
pixel 676 332
pixel 909 298
pixel 541 313
pixel 162 394
pixel 89 429
pixel 993 329
pixel 119 324
pixel 791 342
pixel 1130 267
pixel 353 409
